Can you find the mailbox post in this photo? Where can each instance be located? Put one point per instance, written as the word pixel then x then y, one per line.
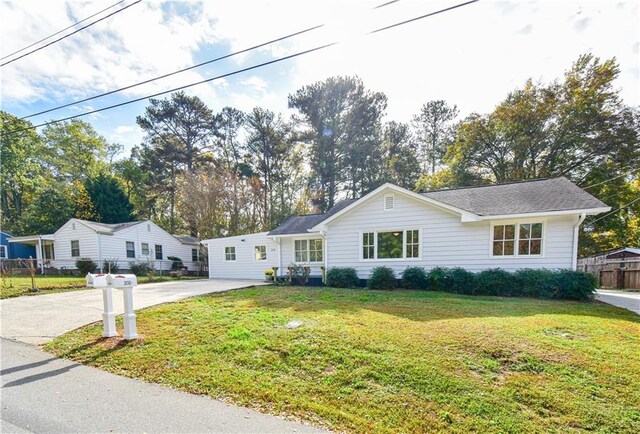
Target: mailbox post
pixel 108 315
pixel 126 282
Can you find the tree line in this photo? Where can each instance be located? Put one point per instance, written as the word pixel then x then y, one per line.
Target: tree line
pixel 233 172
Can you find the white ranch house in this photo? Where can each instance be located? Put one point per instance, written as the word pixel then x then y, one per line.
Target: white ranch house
pixel 139 241
pixel 532 224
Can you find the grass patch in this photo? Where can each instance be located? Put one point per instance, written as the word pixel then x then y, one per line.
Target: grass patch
pixel 17 286
pixel 403 361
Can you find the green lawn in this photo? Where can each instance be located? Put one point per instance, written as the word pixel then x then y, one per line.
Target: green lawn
pixel 21 285
pixel 403 361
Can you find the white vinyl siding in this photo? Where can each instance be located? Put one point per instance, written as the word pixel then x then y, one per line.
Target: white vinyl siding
pixel 245 266
pixel 444 240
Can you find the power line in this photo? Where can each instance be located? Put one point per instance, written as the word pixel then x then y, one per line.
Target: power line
pixel 615 211
pixel 281 59
pixel 610 179
pixel 70 34
pixel 60 31
pixel 226 56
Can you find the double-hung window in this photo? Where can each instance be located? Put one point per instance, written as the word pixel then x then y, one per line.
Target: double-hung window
pixel 194 255
pixel 517 239
pixel 399 244
pixel 308 250
pixel 75 248
pixel 158 252
pixel 230 253
pixel 131 249
pixel 145 249
pixel 260 253
pixel 3 252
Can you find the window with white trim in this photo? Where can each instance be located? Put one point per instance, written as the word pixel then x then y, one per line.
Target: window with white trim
pixel 75 248
pixel 260 253
pixel 308 250
pixel 517 239
pixel 158 248
pixel 400 244
pixel 131 249
pixel 230 253
pixel 145 249
pixel 3 252
pixel 194 255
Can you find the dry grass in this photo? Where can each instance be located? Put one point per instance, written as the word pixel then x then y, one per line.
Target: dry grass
pixel 374 361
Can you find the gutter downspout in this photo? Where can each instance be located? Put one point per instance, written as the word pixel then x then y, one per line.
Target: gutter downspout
pixel 576 228
pixel 41 254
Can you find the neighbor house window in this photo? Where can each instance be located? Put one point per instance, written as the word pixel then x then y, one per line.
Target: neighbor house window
pixel 3 252
pixel 308 250
pixel 230 253
pixel 131 249
pixel 194 255
pixel 145 249
pixel 398 244
pixel 260 253
pixel 75 248
pixel 159 252
pixel 518 239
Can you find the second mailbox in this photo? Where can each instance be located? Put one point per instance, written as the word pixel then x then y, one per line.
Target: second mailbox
pixel 123 280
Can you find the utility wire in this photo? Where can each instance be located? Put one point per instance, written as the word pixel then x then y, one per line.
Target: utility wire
pixel 260 65
pixel 60 31
pixel 217 59
pixel 615 211
pixel 70 34
pixel 610 179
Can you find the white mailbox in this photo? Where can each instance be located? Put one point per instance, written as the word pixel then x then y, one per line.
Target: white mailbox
pixel 123 280
pixel 97 280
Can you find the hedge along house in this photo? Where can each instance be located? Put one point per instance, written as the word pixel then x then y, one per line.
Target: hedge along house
pixel 140 241
pixel 530 224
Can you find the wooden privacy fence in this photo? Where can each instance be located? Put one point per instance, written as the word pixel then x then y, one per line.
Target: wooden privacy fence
pixel 621 274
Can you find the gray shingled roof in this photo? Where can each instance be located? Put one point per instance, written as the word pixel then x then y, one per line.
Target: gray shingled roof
pixel 300 224
pixel 107 228
pixel 187 239
pixel 544 195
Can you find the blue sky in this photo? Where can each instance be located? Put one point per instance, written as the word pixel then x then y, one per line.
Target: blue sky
pixel 470 57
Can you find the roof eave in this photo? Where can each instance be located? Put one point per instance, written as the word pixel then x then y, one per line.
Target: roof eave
pixel 587 211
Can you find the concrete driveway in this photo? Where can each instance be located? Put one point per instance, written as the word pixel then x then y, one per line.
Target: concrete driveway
pixel 40 318
pixel 624 299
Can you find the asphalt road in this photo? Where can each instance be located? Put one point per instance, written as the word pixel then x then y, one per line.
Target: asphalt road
pixel 41 393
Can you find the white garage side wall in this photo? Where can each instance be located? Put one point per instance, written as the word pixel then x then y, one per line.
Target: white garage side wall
pixel 62 244
pixel 114 247
pixel 245 266
pixel 445 242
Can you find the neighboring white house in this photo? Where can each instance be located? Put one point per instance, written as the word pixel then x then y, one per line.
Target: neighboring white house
pixel 141 241
pixel 531 224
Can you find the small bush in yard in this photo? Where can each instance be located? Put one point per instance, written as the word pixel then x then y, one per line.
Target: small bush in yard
pixel 414 278
pixel 437 279
pixel 110 266
pixel 139 268
pixel 382 278
pixel 496 281
pixel 575 285
pixel 342 277
pixel 86 265
pixel 461 281
pixel 531 282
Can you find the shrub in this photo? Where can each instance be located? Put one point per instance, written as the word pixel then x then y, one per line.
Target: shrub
pixel 496 281
pixel 382 278
pixel 299 275
pixel 437 279
pixel 86 265
pixel 110 266
pixel 342 277
pixel 176 263
pixel 535 283
pixel 460 281
pixel 139 268
pixel 414 278
pixel 574 285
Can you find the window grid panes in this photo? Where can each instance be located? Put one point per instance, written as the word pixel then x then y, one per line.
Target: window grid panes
pixel 413 244
pixel 75 248
pixel 530 239
pixel 504 239
pixel 368 245
pixel 159 252
pixel 230 253
pixel 131 252
pixel 315 251
pixel 301 250
pixel 145 249
pixel 194 255
pixel 260 253
pixel 3 252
